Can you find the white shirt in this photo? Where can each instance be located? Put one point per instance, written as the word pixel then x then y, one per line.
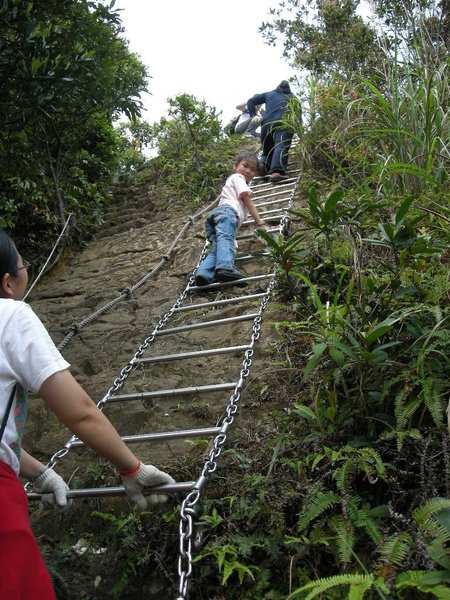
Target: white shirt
pixel 231 194
pixel 28 357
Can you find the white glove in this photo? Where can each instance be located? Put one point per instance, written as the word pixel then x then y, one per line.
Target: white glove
pixel 49 481
pixel 145 476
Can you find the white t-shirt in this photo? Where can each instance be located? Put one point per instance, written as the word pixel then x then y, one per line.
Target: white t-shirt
pixel 242 123
pixel 27 357
pixel 231 194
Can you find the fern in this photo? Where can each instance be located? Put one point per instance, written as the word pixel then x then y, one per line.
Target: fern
pixel 345 538
pixel 357 581
pixel 342 475
pixel 415 579
pixel 395 550
pixel 319 504
pixel 423 513
pixel 357 590
pixel 433 400
pixel 404 411
pixel 366 521
pixel 401 436
pixel 365 460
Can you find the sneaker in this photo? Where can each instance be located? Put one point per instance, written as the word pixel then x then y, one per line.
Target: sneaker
pixel 228 275
pixel 277 177
pixel 201 280
pixel 262 169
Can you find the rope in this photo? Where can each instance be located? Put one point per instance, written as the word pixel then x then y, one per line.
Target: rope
pixel 41 272
pixel 127 292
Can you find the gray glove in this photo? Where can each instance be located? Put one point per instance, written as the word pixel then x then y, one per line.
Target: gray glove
pixel 145 476
pixel 49 481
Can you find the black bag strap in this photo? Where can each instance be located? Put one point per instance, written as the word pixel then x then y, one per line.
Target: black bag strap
pixel 8 409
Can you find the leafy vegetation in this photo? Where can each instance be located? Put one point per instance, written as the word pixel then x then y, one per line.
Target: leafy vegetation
pixel 354 503
pixel 193 153
pixel 66 75
pixel 341 489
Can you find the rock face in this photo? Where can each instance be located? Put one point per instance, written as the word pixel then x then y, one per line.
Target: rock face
pixel 137 233
pixel 103 309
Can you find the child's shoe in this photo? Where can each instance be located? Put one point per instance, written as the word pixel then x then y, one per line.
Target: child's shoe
pixel 201 280
pixel 228 275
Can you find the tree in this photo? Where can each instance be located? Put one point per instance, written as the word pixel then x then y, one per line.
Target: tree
pixel 404 16
pixel 326 37
pixel 65 76
pixel 133 137
pixel 193 153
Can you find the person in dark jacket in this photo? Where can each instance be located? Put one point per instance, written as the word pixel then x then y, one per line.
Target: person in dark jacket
pixel 275 138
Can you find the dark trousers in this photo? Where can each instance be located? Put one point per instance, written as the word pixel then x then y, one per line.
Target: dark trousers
pixel 275 147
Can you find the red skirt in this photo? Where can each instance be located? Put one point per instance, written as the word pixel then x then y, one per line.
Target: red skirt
pixel 24 575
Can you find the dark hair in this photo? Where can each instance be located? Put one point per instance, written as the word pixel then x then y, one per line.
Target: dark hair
pixel 8 255
pixel 245 155
pixel 283 86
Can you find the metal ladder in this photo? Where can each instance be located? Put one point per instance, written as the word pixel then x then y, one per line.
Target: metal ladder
pixel 273 202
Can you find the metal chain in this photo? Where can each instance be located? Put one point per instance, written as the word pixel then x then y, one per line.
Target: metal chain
pixel 188 507
pixel 190 504
pixel 123 375
pixel 126 292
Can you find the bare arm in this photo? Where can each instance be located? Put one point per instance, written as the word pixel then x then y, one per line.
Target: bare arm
pixel 30 467
pixel 247 200
pixel 77 411
pixel 242 106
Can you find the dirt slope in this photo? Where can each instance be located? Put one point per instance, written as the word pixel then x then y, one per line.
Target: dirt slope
pixel 138 230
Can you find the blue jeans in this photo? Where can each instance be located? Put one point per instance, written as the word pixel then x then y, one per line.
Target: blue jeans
pixel 221 229
pixel 275 147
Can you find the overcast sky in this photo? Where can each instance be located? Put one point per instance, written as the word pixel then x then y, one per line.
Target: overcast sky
pixel 206 48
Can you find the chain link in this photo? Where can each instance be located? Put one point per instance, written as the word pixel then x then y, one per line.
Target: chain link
pixel 123 375
pixel 193 498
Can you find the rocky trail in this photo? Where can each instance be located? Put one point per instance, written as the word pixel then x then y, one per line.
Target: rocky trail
pixel 173 395
pixel 137 232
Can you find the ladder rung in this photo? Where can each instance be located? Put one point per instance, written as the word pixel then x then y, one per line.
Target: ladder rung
pixel 164 435
pixel 269 202
pixel 265 212
pixel 216 387
pixel 246 257
pixel 168 488
pixel 213 286
pixel 185 355
pixel 219 302
pixel 205 324
pixel 247 236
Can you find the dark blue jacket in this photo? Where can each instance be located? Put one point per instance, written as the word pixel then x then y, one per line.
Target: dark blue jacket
pixel 276 102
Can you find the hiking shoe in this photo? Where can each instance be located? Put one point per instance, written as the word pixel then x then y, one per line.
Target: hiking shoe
pixel 277 177
pixel 229 275
pixel 262 169
pixel 201 280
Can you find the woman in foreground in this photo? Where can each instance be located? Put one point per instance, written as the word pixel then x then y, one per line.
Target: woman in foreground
pixel 29 361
